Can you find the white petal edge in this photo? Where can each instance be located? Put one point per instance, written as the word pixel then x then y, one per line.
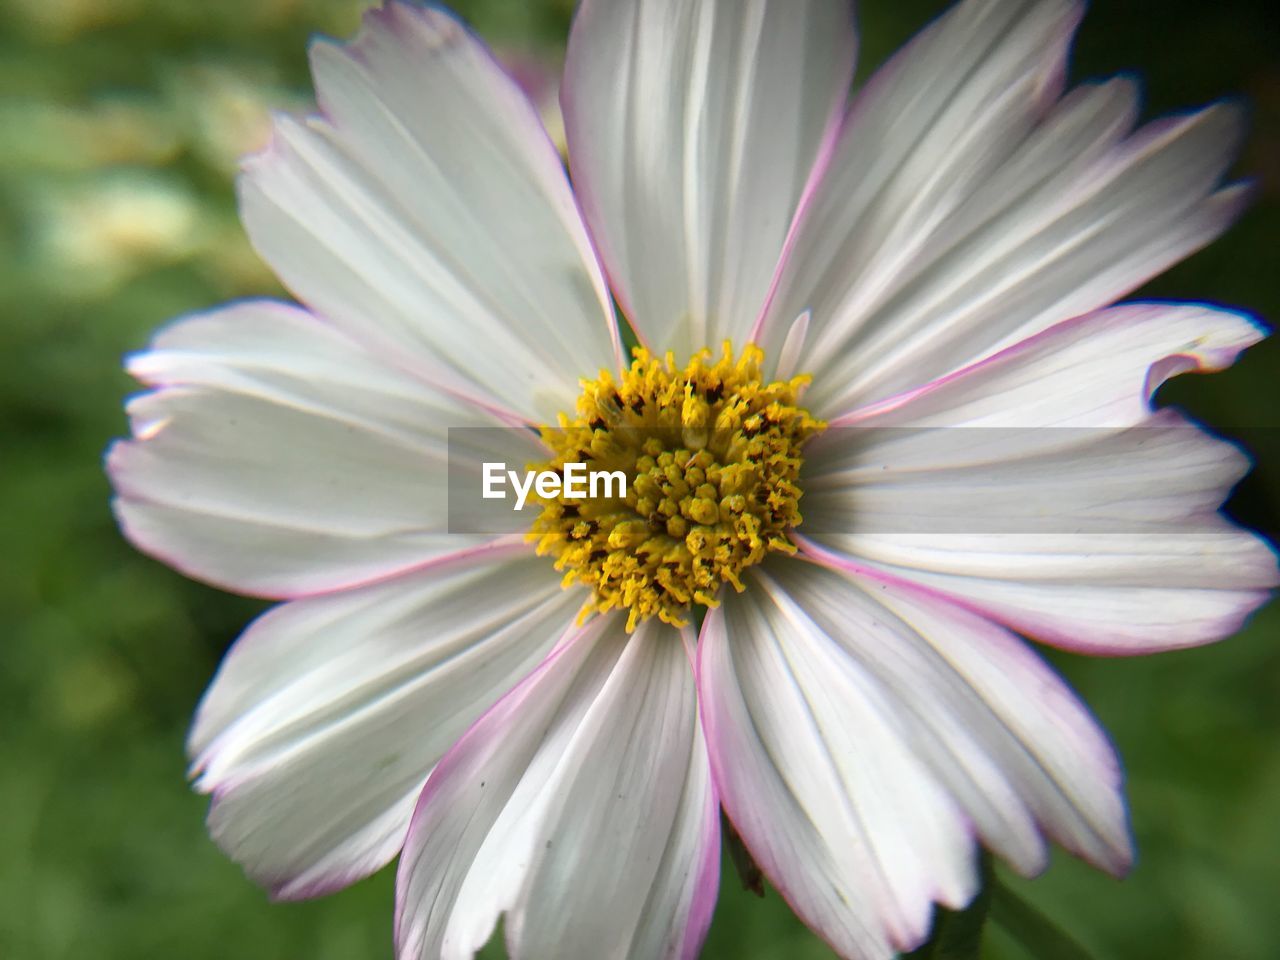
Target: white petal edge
pixel 693 127
pixel 274 456
pixel 426 212
pixel 1100 369
pixel 857 833
pixel 812 676
pixel 580 807
pixel 1039 488
pixel 917 256
pixel 326 716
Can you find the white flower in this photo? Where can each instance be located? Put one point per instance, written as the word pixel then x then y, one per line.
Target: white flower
pixel 939 257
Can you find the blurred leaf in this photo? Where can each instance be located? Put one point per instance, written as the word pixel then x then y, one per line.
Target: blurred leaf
pixel 748 871
pixel 1031 928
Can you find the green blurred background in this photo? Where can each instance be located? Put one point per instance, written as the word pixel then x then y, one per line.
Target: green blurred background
pixel 120 124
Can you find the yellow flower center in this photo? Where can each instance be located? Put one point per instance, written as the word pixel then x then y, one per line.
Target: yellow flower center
pixel 711 456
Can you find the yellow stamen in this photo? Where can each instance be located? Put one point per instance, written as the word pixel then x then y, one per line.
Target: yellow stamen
pixel 712 459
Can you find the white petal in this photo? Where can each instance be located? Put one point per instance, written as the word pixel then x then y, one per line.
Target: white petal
pixel 580 806
pixel 1098 370
pixel 326 716
pixel 816 767
pixel 693 127
pixel 1006 737
pixel 277 457
pixel 426 212
pixel 1039 488
pixel 964 211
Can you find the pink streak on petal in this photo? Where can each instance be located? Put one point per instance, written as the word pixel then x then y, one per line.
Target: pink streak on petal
pixel 506 712
pixel 137 366
pixel 821 164
pixel 582 193
pixel 495 551
pixel 1118 863
pixel 116 464
pixel 707 888
pixel 500 547
pixel 1041 629
pixel 841 126
pixel 718 775
pixel 837 122
pixel 707 885
pixel 768 865
pixel 1210 360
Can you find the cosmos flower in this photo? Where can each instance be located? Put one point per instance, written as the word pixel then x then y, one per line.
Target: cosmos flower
pixel 930 433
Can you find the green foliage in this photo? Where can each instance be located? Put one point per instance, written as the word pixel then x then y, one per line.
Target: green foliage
pixel 119 127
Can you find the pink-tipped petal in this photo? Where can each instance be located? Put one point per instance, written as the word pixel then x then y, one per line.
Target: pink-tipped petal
pixel 580 807
pixel 814 766
pixel 276 457
pixel 326 716
pixel 425 212
pixel 965 210
pixel 693 126
pixel 859 730
pixel 1097 370
pixel 1039 487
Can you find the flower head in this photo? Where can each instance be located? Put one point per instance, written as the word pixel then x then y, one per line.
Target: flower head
pixel 930 432
pixel 713 458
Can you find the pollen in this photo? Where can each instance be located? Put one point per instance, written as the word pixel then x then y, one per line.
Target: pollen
pixel 712 457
